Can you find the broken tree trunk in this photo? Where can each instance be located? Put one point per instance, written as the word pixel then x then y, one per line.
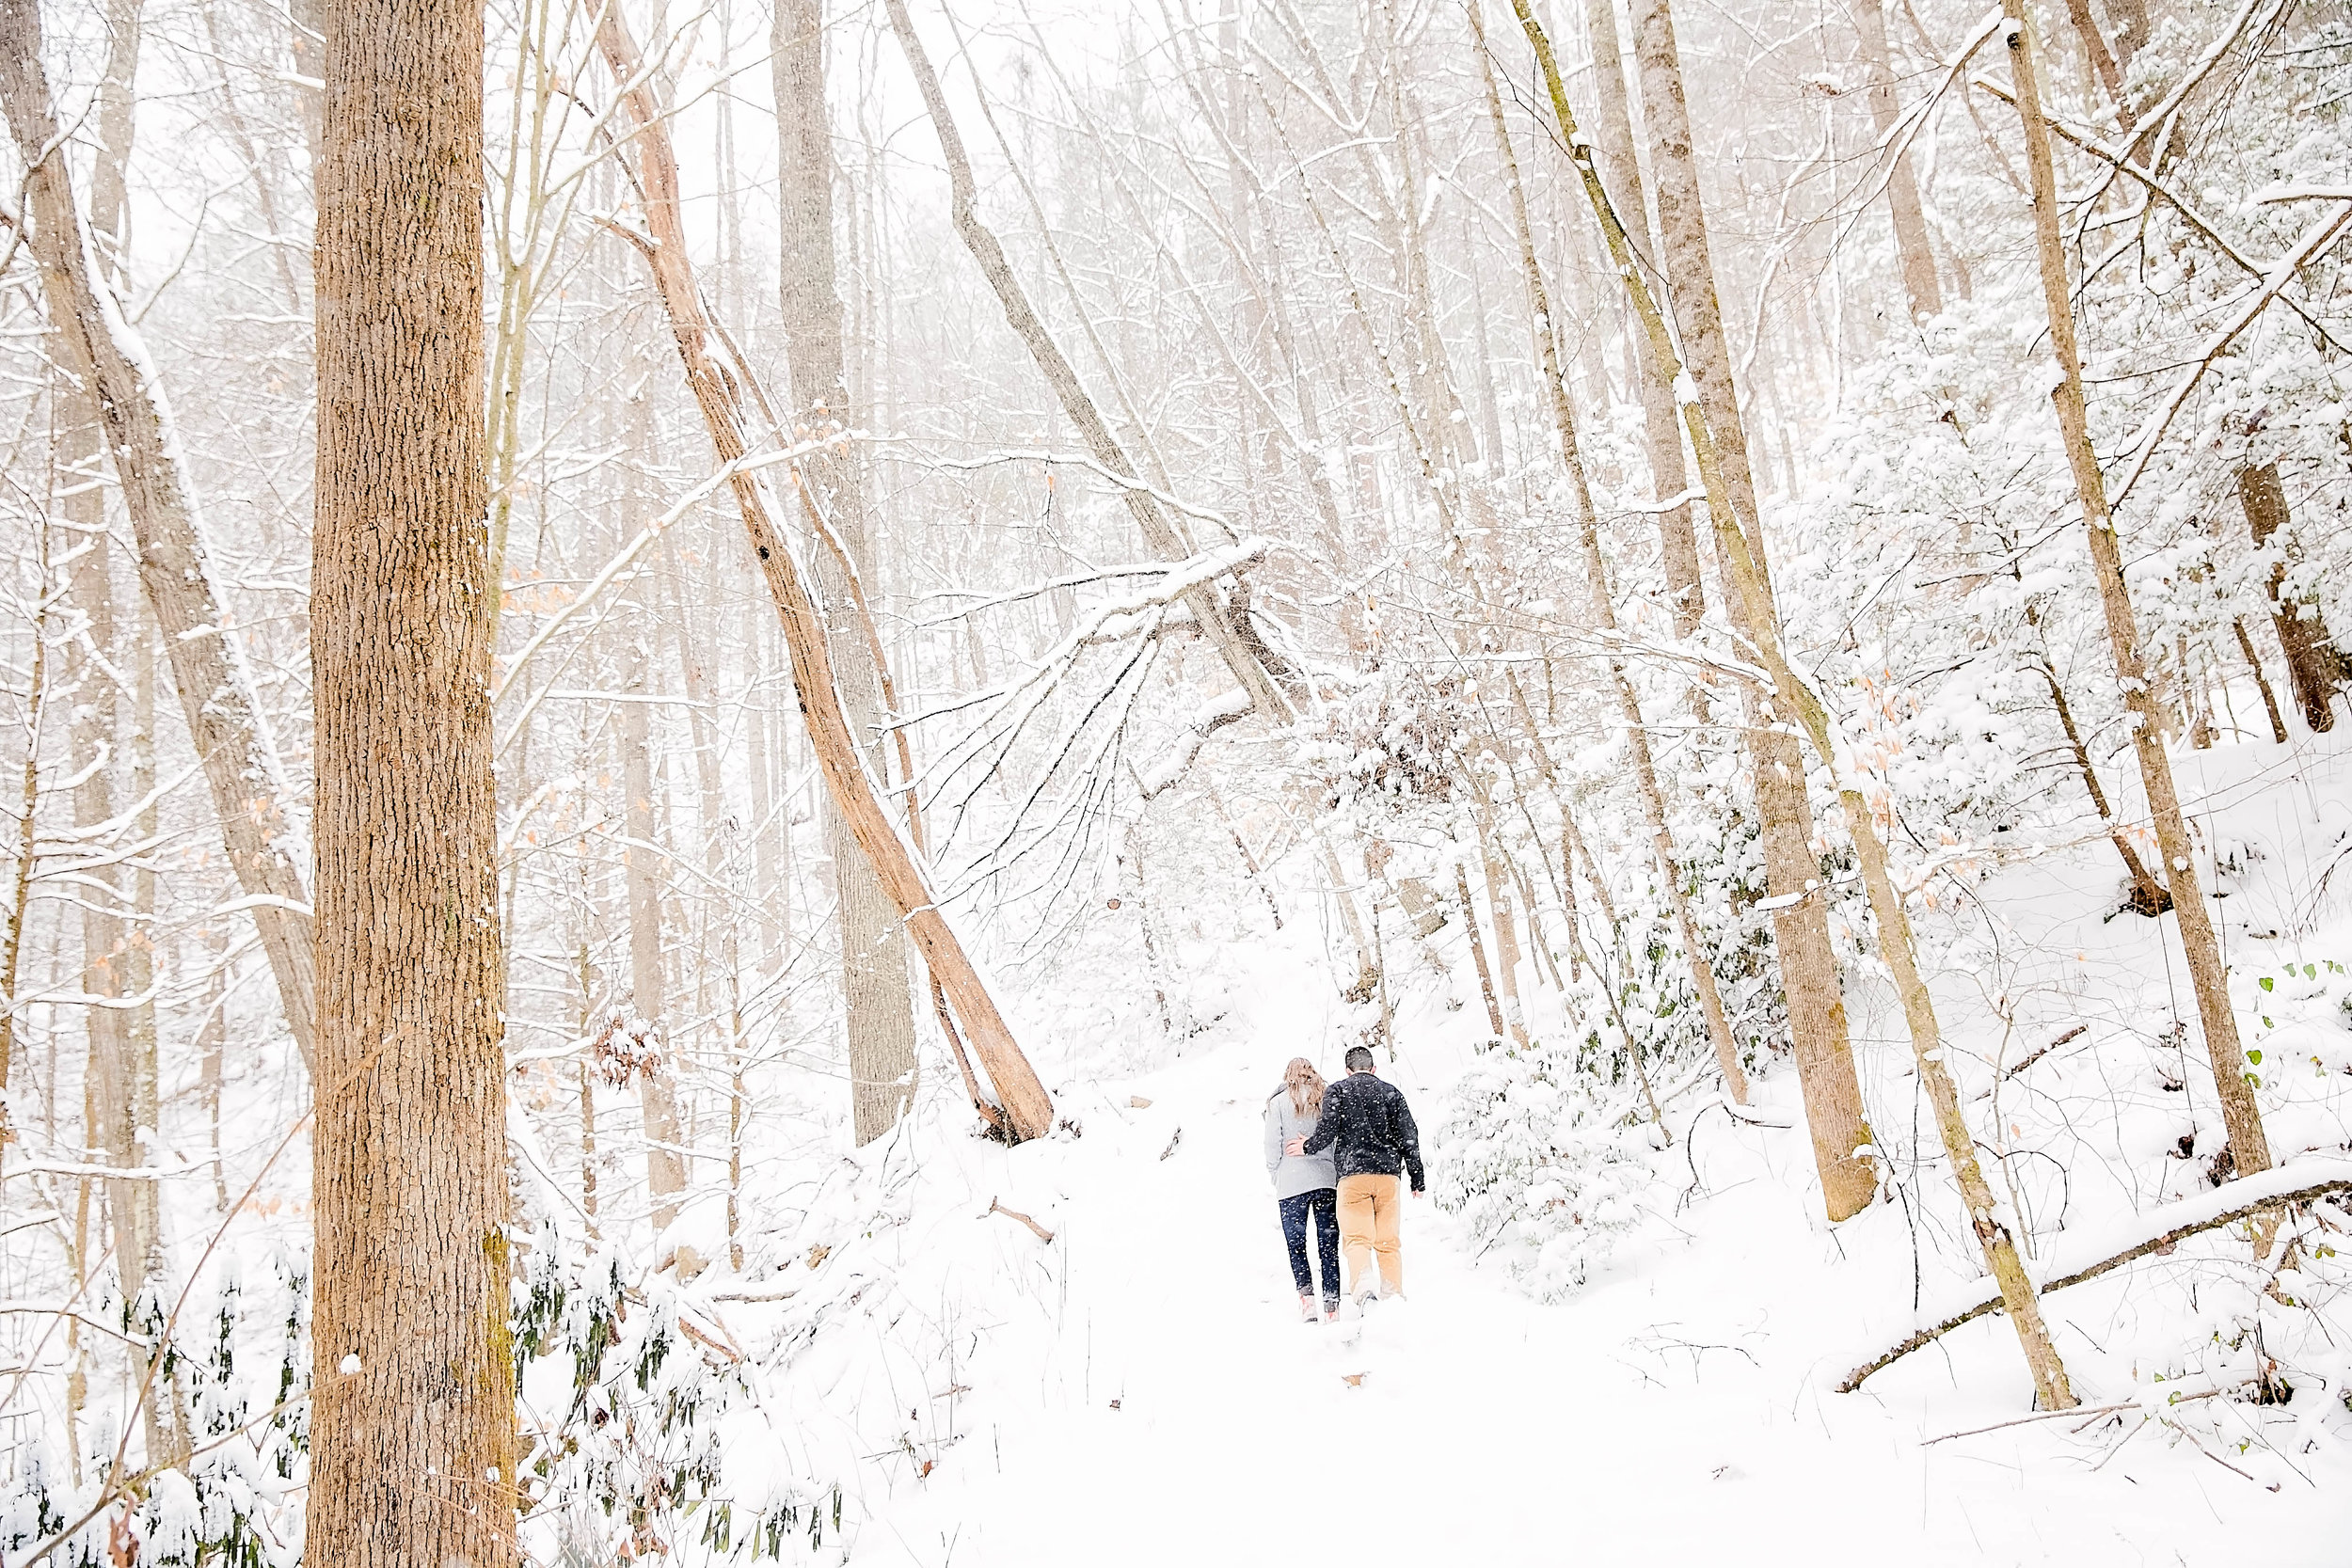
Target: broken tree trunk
pixel 721 392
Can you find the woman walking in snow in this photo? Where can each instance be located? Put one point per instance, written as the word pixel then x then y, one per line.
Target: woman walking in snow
pixel 1305 1186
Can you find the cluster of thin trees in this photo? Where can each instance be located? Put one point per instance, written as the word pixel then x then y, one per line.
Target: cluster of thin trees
pixel 753 590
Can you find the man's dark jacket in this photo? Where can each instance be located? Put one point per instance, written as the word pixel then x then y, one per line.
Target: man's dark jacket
pixel 1368 1128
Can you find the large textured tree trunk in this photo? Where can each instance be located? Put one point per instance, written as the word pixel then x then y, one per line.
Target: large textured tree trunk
pixel 1677 541
pixel 2314 666
pixel 103 352
pixel 1809 965
pixel 2249 1147
pixel 412 1391
pixel 1902 187
pixel 722 393
pixel 878 1005
pixel 1744 585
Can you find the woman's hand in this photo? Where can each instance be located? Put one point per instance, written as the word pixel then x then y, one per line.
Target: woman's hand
pixel 1295 1147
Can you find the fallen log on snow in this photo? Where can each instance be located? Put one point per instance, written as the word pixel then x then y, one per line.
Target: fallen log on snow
pixel 2158 1231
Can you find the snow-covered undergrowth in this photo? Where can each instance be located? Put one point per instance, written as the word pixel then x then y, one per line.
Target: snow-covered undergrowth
pixel 1619 1333
pixel 1624 1336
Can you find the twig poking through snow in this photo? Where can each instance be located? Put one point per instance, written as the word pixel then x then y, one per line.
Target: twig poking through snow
pixel 996 1207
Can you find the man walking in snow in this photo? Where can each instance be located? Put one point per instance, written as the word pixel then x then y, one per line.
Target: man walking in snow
pixel 1370 1130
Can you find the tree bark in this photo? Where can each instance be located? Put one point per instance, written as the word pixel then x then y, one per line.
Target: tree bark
pixel 641 867
pixel 2314 667
pixel 1506 939
pixel 1809 965
pixel 721 391
pixel 412 1389
pixel 877 1002
pixel 104 352
pixel 1478 952
pixel 2101 60
pixel 1621 170
pixel 2262 681
pixel 2249 1147
pixel 1745 586
pixel 1902 188
pixel 1629 703
pixel 1235 643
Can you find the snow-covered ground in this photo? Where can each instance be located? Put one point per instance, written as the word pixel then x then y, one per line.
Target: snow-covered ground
pixel 1138 1389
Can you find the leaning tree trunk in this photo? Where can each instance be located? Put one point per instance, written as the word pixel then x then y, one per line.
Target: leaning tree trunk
pixel 1840 1171
pixel 1809 965
pixel 1902 187
pixel 2314 666
pixel 103 351
pixel 2249 1147
pixel 412 1388
pixel 1229 632
pixel 878 1005
pixel 721 393
pixel 1745 585
pixel 1677 542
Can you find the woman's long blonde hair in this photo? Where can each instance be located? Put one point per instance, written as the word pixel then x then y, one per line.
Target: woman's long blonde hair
pixel 1304 1085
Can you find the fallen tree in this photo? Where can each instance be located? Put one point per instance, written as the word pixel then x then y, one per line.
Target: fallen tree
pixel 721 392
pixel 2158 1231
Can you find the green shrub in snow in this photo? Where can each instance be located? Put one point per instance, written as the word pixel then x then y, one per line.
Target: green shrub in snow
pixel 1533 1160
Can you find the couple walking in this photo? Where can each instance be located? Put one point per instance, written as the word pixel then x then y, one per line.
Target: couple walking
pixel 1334 1152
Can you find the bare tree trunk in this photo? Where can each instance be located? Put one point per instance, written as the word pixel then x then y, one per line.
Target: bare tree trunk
pixel 1744 585
pixel 12 945
pixel 1478 950
pixel 666 1168
pixel 878 1004
pixel 103 351
pixel 211 1042
pixel 2147 894
pixel 1902 188
pixel 1230 634
pixel 1507 934
pixel 412 1388
pixel 721 392
pixel 2102 62
pixel 1677 541
pixel 2249 1148
pixel 142 1200
pixel 1809 965
pixel 2262 681
pixel 2314 667
pixel 1685 257
pixel 1605 620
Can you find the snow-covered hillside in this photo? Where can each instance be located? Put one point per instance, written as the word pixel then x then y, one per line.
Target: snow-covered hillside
pixel 1137 1387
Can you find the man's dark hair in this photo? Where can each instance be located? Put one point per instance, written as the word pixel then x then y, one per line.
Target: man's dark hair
pixel 1359 1058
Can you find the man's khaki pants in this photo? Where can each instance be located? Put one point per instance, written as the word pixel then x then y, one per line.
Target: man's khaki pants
pixel 1369 1212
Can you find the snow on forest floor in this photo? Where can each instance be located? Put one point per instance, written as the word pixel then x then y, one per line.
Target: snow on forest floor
pixel 1139 1389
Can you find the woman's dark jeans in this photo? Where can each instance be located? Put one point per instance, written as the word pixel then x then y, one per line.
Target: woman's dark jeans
pixel 1323 1205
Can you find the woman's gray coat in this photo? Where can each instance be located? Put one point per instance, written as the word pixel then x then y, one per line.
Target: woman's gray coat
pixel 1293 1173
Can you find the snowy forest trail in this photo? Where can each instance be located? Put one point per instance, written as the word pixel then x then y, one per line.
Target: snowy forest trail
pixel 1164 1404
